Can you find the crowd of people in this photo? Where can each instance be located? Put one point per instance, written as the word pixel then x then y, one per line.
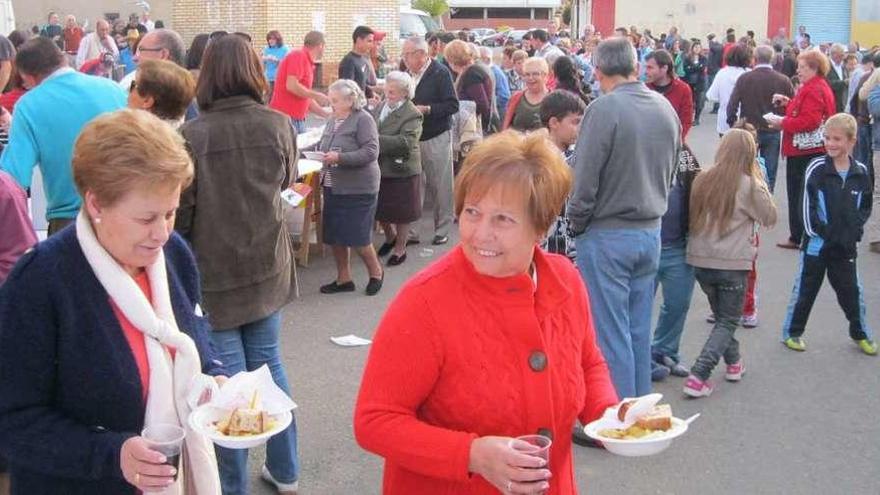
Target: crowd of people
pixel 168 262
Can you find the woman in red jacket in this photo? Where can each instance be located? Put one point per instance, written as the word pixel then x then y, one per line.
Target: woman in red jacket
pixel 493 341
pixel 802 138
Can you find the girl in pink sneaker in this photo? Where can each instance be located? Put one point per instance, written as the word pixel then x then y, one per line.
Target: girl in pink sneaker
pixel 726 202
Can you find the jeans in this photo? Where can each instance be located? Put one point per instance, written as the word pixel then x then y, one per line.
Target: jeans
pixel 298 125
pixel 619 267
pixel 249 347
pixel 725 290
pixel 864 151
pixel 768 145
pixel 676 278
pixel 872 229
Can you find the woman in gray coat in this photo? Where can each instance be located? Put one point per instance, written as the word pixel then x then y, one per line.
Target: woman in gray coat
pixel 350 144
pixel 400 127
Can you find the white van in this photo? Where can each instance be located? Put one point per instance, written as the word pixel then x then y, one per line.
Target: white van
pixel 416 23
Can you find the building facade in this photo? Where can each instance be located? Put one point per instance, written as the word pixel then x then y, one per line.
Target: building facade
pixel 516 14
pixel 293 18
pixel 842 21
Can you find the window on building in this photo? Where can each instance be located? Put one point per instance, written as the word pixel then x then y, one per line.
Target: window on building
pixel 509 13
pixel 466 13
pixel 543 14
pixel 111 16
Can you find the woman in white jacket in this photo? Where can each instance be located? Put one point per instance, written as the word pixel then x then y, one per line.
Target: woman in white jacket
pixel 738 60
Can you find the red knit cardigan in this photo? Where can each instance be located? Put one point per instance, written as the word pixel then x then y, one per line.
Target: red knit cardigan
pixel 450 362
pixel 810 107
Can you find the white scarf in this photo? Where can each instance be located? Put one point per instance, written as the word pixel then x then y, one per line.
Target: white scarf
pixel 170 379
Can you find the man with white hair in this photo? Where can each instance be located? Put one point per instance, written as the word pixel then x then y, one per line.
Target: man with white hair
pixel 752 98
pixel 435 98
pixel 502 86
pixel 96 44
pixel 837 76
pixel 589 32
pixel 622 174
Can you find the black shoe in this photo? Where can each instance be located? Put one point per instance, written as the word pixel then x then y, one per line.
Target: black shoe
pixel 412 242
pixel 386 248
pixel 440 239
pixel 375 285
pixel 333 287
pixel 697 122
pixel 395 260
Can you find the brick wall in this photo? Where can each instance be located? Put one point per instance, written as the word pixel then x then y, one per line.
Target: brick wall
pixel 293 19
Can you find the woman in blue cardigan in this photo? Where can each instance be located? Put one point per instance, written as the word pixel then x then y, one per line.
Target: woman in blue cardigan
pixel 101 333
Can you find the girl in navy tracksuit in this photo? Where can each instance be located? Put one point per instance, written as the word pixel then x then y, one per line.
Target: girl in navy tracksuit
pixel 837 203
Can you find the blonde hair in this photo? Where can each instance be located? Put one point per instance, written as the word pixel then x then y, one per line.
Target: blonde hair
pixel 537 62
pixel 713 198
pixel 518 55
pixel 527 164
pixel 119 152
pixel 458 52
pixel 843 122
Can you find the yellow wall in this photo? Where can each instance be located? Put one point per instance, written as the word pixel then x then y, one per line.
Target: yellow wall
pixel 866 33
pixel 695 18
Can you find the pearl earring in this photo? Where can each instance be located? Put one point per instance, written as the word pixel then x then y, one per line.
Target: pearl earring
pixel 97 219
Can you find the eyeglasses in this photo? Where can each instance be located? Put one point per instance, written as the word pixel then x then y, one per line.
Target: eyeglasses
pixel 414 52
pixel 145 49
pixel 133 86
pixel 534 74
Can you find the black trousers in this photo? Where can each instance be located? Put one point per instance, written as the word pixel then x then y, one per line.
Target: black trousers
pixel 844 280
pixel 795 168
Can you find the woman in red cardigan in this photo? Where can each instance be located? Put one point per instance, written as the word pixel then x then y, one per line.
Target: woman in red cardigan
pixel 493 341
pixel 805 113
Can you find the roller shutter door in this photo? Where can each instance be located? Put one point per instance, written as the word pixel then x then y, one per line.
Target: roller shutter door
pixel 826 20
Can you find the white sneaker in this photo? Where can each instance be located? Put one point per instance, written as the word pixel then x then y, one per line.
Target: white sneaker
pixel 749 321
pixel 283 488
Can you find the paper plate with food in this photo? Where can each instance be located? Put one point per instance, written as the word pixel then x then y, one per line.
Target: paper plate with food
pixel 638 427
pixel 247 411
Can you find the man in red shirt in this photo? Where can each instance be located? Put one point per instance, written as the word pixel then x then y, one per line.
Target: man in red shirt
pixel 293 94
pixel 660 76
pixel 73 35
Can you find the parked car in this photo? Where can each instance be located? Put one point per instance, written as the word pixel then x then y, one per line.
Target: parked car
pixel 496 39
pixel 482 32
pixel 517 37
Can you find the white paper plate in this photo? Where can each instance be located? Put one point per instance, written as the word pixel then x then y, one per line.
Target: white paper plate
pixel 639 447
pixel 202 420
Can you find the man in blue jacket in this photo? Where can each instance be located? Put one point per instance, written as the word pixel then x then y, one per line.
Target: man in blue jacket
pixel 47 121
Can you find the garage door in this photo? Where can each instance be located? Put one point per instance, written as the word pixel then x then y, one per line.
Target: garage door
pixel 826 20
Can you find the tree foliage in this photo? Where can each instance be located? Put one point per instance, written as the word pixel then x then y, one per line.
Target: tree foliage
pixel 435 8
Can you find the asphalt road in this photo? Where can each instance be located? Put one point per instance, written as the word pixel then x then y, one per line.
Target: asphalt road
pixel 797 423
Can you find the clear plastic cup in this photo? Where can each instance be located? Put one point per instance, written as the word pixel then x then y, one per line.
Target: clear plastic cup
pixel 167 439
pixel 533 445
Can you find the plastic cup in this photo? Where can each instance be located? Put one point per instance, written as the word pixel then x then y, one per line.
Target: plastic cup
pixel 533 445
pixel 167 439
